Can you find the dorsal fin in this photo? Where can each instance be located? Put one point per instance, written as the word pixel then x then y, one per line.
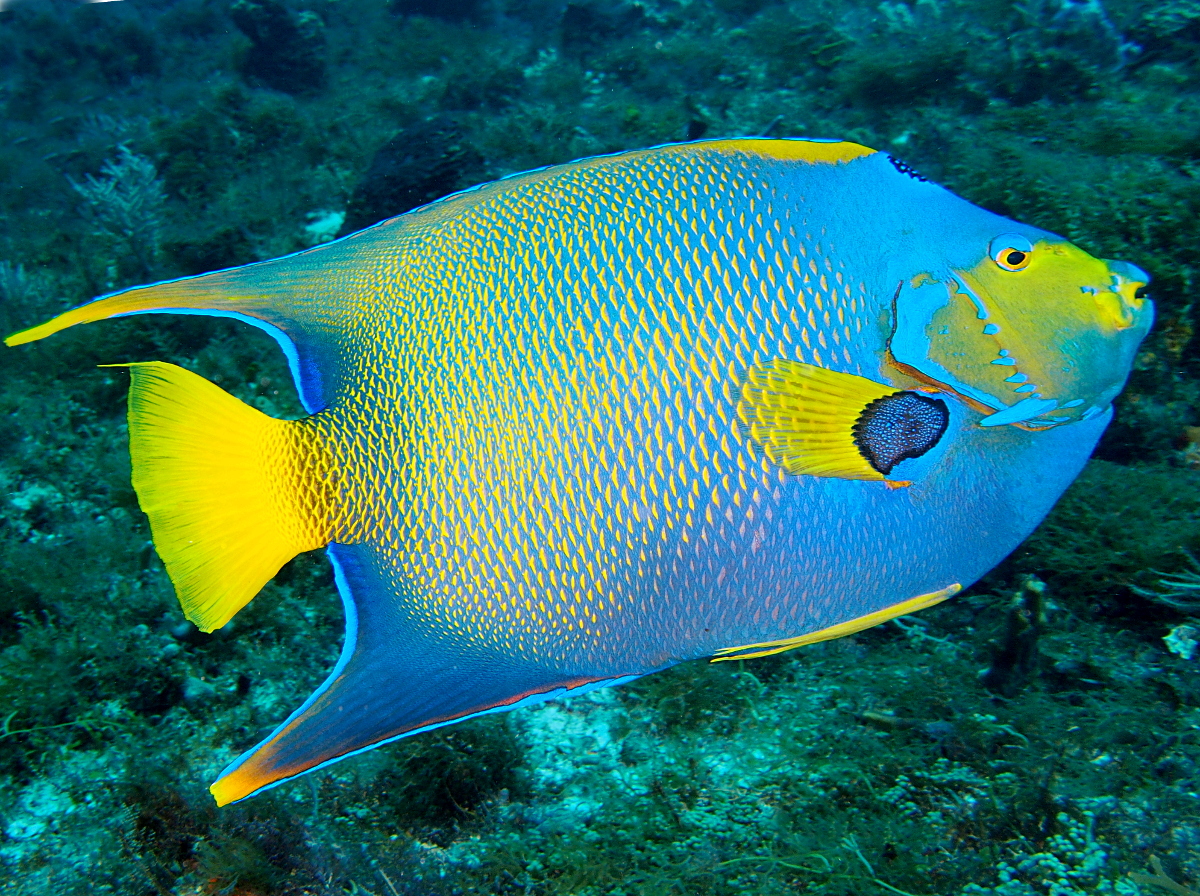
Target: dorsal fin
pixel 307 301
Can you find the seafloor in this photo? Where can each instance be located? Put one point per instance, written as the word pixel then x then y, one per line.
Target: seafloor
pixel 147 139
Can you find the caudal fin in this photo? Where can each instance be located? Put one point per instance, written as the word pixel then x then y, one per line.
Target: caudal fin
pixel 232 494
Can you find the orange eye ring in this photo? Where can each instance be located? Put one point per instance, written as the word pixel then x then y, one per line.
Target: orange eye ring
pixel 1011 251
pixel 1013 259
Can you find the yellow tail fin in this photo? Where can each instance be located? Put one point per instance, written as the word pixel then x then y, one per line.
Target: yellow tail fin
pixel 231 493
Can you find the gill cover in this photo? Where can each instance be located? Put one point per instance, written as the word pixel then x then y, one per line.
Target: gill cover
pixel 1035 334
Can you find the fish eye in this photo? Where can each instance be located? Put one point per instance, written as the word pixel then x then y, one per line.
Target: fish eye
pixel 1011 251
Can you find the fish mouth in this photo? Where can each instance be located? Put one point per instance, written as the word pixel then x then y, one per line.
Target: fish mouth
pixel 1034 353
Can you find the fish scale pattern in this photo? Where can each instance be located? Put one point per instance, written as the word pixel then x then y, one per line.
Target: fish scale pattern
pixel 543 440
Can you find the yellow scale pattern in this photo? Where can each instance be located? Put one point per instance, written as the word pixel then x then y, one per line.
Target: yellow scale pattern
pixel 303 479
pixel 543 421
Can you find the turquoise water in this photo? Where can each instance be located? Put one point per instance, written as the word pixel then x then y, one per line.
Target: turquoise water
pixel 146 140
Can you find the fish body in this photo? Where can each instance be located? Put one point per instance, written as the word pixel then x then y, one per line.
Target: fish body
pixel 575 426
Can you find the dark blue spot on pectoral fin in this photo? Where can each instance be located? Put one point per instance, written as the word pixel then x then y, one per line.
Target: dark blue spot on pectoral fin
pixel 899 426
pixel 392 681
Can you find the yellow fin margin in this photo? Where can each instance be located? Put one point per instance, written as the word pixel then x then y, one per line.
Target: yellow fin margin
pixel 803 417
pixel 231 493
pixel 828 152
pixel 768 648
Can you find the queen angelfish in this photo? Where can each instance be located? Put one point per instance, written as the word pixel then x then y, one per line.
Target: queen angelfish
pixel 717 399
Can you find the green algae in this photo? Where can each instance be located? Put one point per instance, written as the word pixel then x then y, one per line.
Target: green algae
pixel 1116 528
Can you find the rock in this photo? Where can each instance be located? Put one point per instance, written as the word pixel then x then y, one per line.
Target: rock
pixel 449 10
pixel 287 49
pixel 197 691
pixel 418 165
pixel 591 25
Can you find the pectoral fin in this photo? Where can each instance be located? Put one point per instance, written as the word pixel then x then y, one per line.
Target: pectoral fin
pixel 817 422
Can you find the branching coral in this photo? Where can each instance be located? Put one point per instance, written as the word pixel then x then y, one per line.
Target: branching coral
pixel 125 205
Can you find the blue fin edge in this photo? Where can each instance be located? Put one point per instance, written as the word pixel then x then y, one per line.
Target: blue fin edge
pixel 305 388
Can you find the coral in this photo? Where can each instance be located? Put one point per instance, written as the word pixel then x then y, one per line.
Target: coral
pixel 796 47
pixel 437 783
pixel 898 75
pixel 125 207
pixel 1016 657
pixel 1183 640
pixel 943 793
pixel 1064 52
pixel 1169 31
pixel 1180 591
pixel 25 296
pixel 451 10
pixel 588 26
pixel 1160 880
pixel 74 45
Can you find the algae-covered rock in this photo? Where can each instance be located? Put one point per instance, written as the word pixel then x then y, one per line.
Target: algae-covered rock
pixel 418 165
pixel 287 49
pixel 449 10
pixel 588 26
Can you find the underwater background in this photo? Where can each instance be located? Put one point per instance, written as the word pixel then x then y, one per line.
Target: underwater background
pixel 1038 734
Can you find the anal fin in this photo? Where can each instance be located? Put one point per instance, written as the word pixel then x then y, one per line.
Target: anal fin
pixel 394 679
